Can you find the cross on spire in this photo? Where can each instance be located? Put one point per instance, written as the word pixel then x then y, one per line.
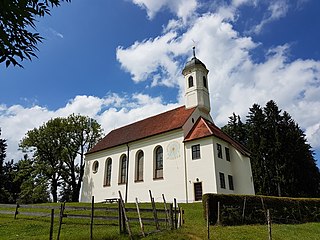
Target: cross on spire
pixel 194 51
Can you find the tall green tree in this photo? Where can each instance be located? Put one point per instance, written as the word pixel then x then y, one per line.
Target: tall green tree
pixel 48 143
pixel 236 129
pixel 3 147
pixel 282 160
pixel 59 147
pixel 82 133
pixel 33 188
pixel 18 36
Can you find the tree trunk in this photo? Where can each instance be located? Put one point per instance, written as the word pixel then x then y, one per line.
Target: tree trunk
pixel 77 190
pixel 54 189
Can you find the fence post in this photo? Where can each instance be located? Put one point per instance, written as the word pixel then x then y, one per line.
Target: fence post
pixel 244 208
pixel 166 210
pixel 207 216
pixel 62 206
pixel 181 216
pixel 16 211
pixel 171 216
pixel 91 218
pixel 154 211
pixel 175 213
pixel 51 224
pixel 125 215
pixel 218 214
pixel 140 220
pixel 269 224
pixel 120 215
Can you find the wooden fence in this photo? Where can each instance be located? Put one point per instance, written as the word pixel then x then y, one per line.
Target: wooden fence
pixel 171 215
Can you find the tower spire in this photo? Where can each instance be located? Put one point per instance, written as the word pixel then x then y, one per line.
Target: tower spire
pixel 194 51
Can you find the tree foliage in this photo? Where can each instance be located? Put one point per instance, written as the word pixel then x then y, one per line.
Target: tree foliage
pixel 282 160
pixel 58 149
pixel 3 147
pixel 33 187
pixel 18 39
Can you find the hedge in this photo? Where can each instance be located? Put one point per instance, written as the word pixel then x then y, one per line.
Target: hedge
pixel 251 209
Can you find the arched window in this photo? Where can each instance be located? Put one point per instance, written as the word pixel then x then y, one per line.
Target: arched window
pixel 107 172
pixel 190 81
pixel 139 167
pixel 95 166
pixel 158 163
pixel 123 169
pixel 205 84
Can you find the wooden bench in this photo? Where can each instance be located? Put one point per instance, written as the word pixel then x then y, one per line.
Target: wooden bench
pixel 111 200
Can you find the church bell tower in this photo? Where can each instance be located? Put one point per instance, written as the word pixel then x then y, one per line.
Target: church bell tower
pixel 196 85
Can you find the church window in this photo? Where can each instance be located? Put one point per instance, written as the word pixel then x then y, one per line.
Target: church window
pixel 95 167
pixel 219 150
pixel 227 154
pixel 139 167
pixel 190 81
pixel 205 84
pixel 123 169
pixel 108 167
pixel 222 180
pixel 195 151
pixel 230 180
pixel 158 163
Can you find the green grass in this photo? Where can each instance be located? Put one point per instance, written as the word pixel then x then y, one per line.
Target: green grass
pixel 37 228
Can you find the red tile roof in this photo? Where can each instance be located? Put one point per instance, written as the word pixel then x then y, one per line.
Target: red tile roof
pixel 204 128
pixel 164 122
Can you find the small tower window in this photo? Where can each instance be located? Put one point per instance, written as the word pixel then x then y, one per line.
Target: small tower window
pixel 190 81
pixel 205 84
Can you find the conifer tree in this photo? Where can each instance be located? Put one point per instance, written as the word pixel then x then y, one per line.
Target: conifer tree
pixel 281 158
pixel 3 147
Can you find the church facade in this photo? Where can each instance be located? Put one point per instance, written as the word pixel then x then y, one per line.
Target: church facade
pixel 180 153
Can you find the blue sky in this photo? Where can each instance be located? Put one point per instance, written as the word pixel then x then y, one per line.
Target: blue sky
pixel 119 61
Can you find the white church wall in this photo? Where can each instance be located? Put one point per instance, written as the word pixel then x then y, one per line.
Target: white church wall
pixel 223 166
pixel 243 174
pixel 93 182
pixel 202 169
pixel 238 167
pixel 172 184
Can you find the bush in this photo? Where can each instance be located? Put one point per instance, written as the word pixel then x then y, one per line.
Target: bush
pixel 248 209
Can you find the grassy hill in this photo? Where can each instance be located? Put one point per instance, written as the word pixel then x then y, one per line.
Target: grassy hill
pixel 37 228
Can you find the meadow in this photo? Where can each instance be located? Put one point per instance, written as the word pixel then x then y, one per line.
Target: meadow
pixel 194 227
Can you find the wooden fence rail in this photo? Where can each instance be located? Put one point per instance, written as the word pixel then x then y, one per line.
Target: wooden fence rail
pixel 172 215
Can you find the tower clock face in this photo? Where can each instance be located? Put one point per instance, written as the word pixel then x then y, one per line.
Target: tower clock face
pixel 173 150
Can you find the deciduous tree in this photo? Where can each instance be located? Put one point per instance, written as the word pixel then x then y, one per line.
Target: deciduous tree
pixel 59 147
pixel 18 36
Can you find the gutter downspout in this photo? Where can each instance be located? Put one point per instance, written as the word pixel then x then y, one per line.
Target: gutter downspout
pixel 185 170
pixel 127 174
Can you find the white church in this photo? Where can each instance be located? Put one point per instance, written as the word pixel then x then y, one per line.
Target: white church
pixel 180 153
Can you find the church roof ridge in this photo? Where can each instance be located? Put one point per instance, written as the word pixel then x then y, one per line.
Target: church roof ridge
pixel 205 128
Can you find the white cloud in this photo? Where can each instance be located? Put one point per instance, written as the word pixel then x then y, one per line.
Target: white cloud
pixel 55 33
pixel 277 9
pixel 182 8
pixel 111 111
pixel 144 59
pixel 236 81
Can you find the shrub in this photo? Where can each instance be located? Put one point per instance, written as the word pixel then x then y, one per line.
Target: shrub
pixel 248 209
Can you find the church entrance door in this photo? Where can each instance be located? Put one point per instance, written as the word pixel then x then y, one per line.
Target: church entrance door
pixel 198 191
